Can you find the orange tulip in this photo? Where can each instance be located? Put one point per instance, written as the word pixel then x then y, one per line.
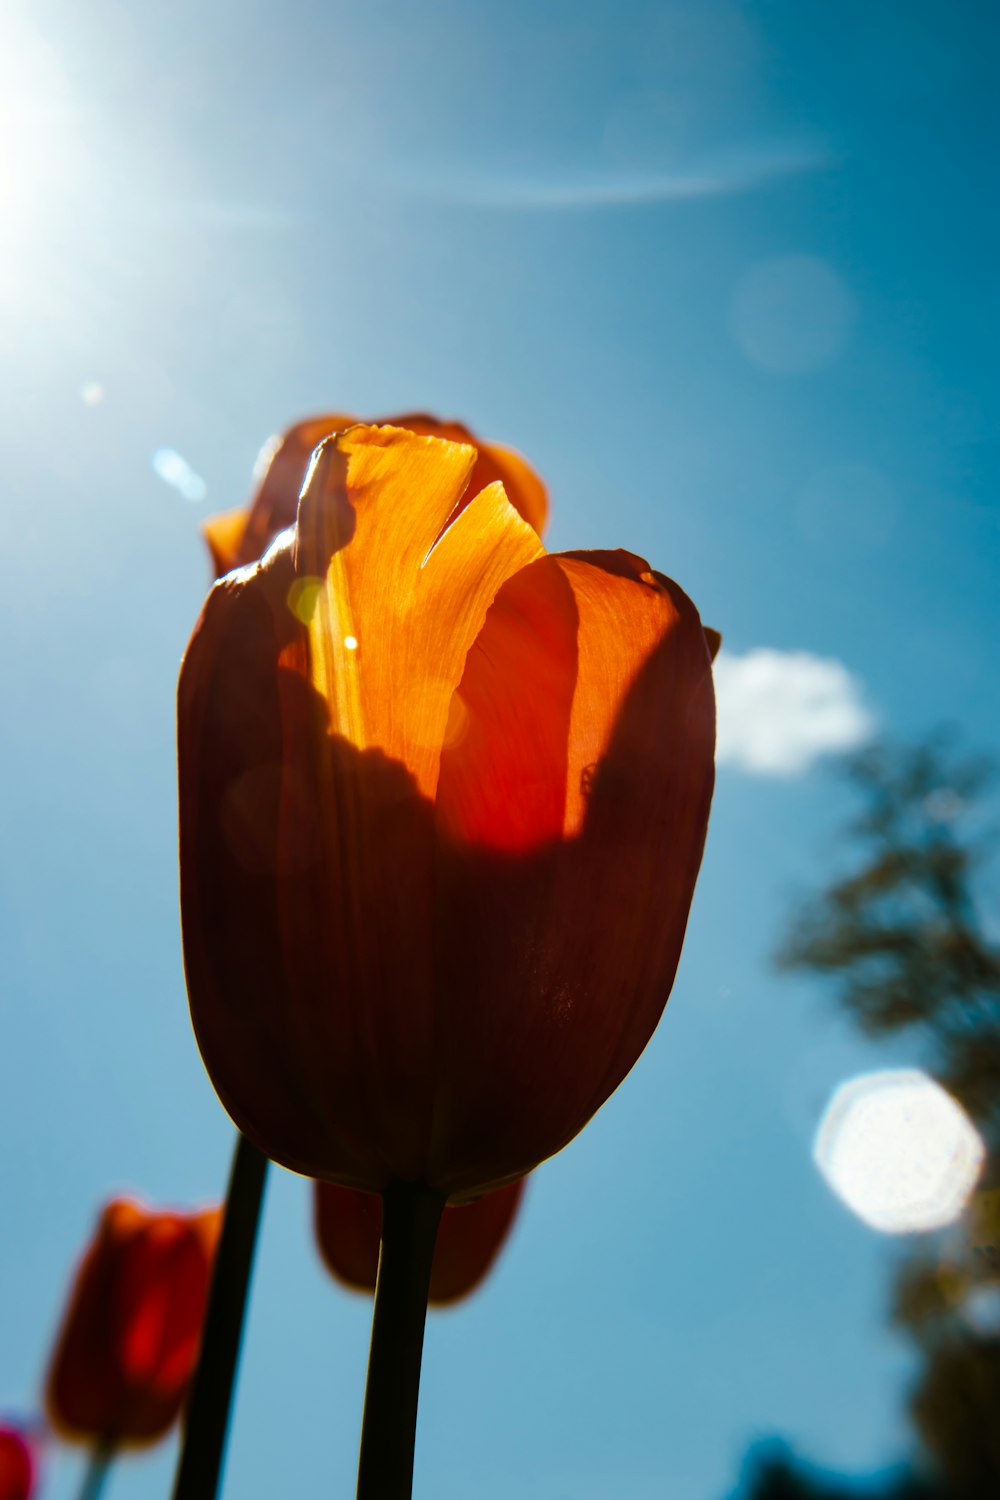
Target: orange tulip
pixel 443 799
pixel 129 1338
pixel 470 1237
pixel 17 1465
pixel 241 536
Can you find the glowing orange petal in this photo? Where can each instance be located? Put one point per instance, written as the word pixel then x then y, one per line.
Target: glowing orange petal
pixel 224 535
pixel 407 577
pixel 242 536
pixel 524 489
pixel 504 771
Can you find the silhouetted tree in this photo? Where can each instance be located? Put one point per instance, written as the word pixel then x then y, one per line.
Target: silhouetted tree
pixel 772 1472
pixel 905 938
pixel 902 933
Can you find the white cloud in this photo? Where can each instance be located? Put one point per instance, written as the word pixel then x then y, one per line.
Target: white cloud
pixel 779 711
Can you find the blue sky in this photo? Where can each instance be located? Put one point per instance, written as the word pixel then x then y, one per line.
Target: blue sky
pixel 727 275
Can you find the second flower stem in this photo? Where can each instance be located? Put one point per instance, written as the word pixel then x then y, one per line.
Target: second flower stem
pixel 410 1218
pixel 98 1465
pixel 205 1428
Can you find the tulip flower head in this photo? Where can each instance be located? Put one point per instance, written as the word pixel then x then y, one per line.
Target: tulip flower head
pixel 443 799
pixel 129 1339
pixel 242 536
pixel 18 1469
pixel 470 1237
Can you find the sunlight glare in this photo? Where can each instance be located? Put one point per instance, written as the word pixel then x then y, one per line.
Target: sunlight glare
pixel 38 148
pixel 899 1151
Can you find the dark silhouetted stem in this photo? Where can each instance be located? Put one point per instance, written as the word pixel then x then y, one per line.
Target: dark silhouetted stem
pixel 97 1471
pixel 410 1218
pixel 204 1440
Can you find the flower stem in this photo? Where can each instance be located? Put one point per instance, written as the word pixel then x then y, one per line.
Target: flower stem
pixel 98 1466
pixel 204 1440
pixel 410 1218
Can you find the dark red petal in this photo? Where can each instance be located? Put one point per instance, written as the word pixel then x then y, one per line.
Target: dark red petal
pixel 560 936
pixel 129 1339
pixel 313 703
pixel 470 1237
pixel 17 1465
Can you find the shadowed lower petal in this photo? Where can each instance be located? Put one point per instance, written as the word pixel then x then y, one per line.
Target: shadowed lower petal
pixel 469 1239
pixel 560 950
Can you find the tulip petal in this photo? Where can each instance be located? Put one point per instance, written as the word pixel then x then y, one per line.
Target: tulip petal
pixel 504 774
pixel 273 1021
pixel 238 537
pixel 408 575
pixel 224 535
pixel 470 1237
pixel 567 942
pixel 523 488
pixel 277 498
pixel 130 1336
pixel 313 702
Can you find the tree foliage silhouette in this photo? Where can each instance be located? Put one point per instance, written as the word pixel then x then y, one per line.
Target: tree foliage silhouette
pixel 905 938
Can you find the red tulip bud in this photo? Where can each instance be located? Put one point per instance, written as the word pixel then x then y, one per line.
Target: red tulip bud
pixel 128 1344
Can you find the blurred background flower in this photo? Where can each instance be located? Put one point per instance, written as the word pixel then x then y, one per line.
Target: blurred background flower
pixel 129 1338
pixel 18 1463
pixel 470 1237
